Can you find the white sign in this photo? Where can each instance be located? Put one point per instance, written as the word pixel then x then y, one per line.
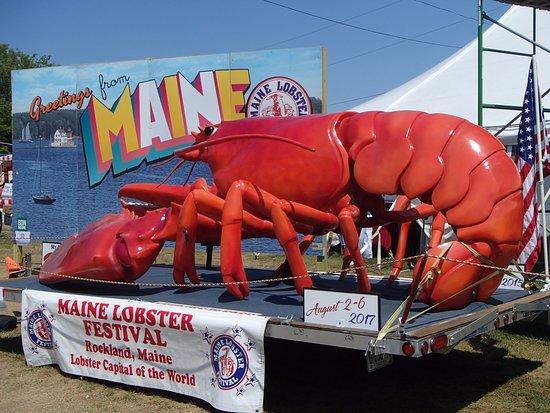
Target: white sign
pixel 511 283
pixel 206 353
pixel 341 309
pixel 7 191
pixel 48 248
pixel 22 237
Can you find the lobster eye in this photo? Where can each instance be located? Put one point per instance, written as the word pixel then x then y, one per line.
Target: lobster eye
pixel 209 130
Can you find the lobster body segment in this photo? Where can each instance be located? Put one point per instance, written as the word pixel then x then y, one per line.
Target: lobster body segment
pixel 280 169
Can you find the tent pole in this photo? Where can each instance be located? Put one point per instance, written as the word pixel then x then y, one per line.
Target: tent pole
pixel 480 15
pixel 541 176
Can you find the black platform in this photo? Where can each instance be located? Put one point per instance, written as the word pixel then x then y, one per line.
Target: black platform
pixel 278 300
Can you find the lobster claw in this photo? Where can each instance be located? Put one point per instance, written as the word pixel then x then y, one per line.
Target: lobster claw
pixel 118 247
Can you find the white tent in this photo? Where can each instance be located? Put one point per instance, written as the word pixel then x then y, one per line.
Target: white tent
pixel 451 86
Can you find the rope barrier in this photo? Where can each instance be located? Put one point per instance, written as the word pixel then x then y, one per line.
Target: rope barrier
pixel 389 261
pixel 169 285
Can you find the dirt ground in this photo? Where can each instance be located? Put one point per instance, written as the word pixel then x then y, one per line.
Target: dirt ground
pixel 505 371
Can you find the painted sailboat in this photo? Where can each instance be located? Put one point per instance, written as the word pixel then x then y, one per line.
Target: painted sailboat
pixel 26 134
pixel 44 197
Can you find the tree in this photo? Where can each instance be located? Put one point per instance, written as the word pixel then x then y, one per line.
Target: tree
pixel 13 59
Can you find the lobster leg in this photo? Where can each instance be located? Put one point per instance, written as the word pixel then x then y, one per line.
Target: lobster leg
pixel 202 202
pixel 346 262
pixel 284 268
pixel 280 211
pixel 288 239
pixel 347 216
pixel 400 253
pixel 401 203
pixel 438 227
pixel 400 214
pixel 186 235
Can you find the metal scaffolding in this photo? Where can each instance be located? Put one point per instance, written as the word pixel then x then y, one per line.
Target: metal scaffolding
pixel 482 16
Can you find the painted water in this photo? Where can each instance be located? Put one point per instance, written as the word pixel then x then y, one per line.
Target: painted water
pixel 38 167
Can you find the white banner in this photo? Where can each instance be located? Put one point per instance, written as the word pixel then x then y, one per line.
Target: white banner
pixel 215 355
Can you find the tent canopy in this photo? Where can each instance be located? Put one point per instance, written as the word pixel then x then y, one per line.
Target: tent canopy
pixel 451 86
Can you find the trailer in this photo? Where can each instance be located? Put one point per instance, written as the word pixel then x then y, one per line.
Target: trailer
pixel 429 332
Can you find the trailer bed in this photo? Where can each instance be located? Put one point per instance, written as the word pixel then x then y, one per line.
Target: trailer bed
pixel 284 306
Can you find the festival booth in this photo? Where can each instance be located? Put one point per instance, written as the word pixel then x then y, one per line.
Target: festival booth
pixel 101 308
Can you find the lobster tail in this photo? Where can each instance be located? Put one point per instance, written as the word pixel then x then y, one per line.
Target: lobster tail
pixel 465 174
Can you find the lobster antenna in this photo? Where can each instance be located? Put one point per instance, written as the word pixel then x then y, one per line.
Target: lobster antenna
pixel 161 163
pixel 210 143
pixel 190 172
pixel 174 169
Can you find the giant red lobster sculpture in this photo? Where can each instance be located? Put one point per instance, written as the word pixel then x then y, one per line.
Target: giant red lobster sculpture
pixel 275 177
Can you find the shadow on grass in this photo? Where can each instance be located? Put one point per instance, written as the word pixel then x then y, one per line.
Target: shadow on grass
pixel 538 329
pixel 306 377
pixel 11 344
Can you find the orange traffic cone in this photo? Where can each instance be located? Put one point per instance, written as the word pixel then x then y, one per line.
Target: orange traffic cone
pixel 12 267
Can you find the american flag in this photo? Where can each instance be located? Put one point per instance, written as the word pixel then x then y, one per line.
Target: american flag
pixel 527 164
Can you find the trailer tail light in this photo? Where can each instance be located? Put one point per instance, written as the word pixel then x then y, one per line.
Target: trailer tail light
pixel 515 317
pixel 497 322
pixel 408 349
pixel 424 348
pixel 506 319
pixel 439 342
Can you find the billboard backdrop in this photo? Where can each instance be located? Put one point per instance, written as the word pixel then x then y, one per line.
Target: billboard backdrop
pixel 81 132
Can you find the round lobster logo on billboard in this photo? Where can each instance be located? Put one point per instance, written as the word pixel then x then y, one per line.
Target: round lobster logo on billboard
pixel 278 96
pixel 229 361
pixel 40 330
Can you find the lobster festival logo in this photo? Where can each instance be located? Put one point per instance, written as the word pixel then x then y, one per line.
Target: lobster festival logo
pixel 278 96
pixel 153 121
pixel 39 330
pixel 229 361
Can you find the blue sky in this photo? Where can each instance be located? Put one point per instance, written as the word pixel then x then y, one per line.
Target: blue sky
pixel 360 63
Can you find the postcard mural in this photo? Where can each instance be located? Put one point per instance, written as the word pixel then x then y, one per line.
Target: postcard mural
pixel 81 132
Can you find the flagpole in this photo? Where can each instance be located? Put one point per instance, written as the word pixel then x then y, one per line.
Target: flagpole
pixel 541 175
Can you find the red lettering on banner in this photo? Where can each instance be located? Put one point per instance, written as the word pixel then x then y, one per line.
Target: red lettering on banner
pixel 186 378
pixel 86 309
pixel 144 354
pixel 186 322
pixel 155 340
pixel 85 361
pixel 153 317
pixel 124 333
